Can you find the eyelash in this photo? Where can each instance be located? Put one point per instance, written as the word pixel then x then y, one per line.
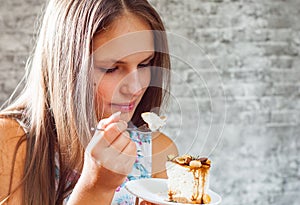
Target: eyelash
pixel 111 70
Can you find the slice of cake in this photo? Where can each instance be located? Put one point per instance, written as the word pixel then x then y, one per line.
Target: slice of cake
pixel 188 179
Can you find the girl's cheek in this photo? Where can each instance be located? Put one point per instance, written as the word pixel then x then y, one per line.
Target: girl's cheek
pixel 145 76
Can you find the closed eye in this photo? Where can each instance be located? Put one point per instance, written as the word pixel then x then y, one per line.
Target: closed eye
pixel 144 65
pixel 108 70
pixel 141 65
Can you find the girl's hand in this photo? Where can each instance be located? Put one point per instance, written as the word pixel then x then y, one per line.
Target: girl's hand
pixel 111 153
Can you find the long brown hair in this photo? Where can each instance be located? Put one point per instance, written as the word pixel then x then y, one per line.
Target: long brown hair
pixel 57 99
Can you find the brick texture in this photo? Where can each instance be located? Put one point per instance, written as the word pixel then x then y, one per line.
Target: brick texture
pixel 235 88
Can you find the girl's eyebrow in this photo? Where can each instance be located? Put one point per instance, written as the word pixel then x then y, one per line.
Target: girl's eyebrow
pixel 112 61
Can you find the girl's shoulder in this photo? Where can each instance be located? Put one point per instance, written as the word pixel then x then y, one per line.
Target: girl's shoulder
pixel 11 127
pixel 12 134
pixel 12 156
pixel 162 141
pixel 162 146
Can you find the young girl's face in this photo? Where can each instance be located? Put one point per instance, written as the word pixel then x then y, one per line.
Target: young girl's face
pixel 122 55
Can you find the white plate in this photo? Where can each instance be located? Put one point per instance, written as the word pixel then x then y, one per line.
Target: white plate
pixel 156 191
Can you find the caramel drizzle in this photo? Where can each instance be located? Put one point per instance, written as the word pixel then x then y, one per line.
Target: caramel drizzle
pixel 170 194
pixel 199 172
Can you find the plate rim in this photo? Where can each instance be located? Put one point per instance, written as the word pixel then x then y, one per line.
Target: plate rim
pixel 166 202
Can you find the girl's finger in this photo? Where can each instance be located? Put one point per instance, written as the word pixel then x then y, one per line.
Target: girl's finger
pixel 120 142
pixel 113 131
pixel 105 122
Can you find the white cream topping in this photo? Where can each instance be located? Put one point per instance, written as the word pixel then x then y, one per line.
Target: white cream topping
pixel 154 121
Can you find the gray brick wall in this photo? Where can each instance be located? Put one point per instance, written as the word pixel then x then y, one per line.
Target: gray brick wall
pixel 255 48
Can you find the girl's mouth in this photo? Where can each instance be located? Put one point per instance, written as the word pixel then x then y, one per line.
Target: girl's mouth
pixel 123 107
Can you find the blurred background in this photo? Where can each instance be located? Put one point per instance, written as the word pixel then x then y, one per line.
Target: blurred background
pixel 235 89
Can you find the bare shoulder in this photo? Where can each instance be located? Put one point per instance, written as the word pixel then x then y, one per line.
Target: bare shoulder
pixel 162 143
pixel 162 146
pixel 9 125
pixel 11 160
pixel 10 133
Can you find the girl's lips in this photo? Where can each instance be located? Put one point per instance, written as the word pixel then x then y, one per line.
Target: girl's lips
pixel 124 107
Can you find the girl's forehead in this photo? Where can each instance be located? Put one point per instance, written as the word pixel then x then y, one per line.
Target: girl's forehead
pixel 125 36
pixel 126 45
pixel 121 26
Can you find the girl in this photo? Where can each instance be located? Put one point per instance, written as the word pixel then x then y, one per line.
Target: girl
pixel 95 60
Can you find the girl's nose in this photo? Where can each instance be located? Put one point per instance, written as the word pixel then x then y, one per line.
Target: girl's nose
pixel 132 84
